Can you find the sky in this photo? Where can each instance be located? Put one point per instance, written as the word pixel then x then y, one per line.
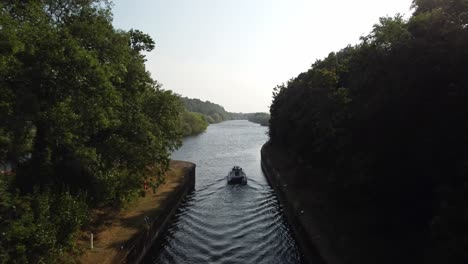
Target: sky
pixel 234 52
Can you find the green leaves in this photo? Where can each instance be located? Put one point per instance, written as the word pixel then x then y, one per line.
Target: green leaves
pixel 78 111
pixel 36 228
pixel 213 112
pixel 193 123
pixel 259 118
pixel 140 41
pixel 387 116
pixel 390 32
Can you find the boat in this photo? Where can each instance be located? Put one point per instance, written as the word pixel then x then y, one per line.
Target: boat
pixel 237 176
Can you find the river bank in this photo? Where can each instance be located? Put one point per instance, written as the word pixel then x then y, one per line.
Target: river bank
pixel 293 198
pixel 126 236
pixel 327 231
pixel 338 231
pixel 221 223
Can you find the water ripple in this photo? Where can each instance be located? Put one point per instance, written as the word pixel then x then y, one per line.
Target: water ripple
pixel 220 223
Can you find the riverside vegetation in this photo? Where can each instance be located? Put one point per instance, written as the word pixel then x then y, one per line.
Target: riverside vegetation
pixel 381 128
pixel 81 122
pixel 259 118
pixel 198 115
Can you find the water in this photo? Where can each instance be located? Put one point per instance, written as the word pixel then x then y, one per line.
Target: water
pixel 220 223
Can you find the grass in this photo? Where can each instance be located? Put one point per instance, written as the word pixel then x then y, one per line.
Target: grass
pixel 114 230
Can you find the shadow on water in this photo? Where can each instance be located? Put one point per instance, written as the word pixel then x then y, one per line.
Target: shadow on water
pixel 221 223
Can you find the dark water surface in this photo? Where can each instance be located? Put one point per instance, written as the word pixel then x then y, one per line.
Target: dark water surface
pixel 219 223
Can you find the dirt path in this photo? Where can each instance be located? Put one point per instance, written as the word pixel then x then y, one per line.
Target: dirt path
pixel 117 229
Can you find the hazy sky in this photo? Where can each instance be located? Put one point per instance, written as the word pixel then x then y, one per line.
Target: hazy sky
pixel 233 52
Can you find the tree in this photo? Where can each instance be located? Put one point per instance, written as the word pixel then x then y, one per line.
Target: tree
pixel 383 123
pixel 77 100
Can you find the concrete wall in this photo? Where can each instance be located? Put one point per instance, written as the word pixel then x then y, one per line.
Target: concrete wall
pixel 157 228
pixel 303 238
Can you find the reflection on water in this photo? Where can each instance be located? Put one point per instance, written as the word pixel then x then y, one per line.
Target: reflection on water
pixel 220 223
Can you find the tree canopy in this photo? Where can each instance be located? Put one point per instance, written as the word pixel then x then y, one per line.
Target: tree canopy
pixel 214 113
pixel 79 113
pixel 385 120
pixel 259 118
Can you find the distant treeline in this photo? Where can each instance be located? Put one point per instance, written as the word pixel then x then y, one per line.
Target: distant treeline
pixel 199 114
pixel 193 123
pixel 259 118
pixel 214 113
pixel 384 124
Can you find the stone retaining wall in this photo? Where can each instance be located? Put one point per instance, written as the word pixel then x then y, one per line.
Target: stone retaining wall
pixel 157 227
pixel 291 209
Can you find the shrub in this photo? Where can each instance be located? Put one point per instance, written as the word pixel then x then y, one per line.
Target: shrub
pixel 39 227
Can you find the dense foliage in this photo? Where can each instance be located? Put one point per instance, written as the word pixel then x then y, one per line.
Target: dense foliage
pixel 214 113
pixel 193 123
pixel 199 114
pixel 385 124
pixel 79 114
pixel 39 227
pixel 259 118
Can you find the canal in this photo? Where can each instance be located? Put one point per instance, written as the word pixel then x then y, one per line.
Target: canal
pixel 220 223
